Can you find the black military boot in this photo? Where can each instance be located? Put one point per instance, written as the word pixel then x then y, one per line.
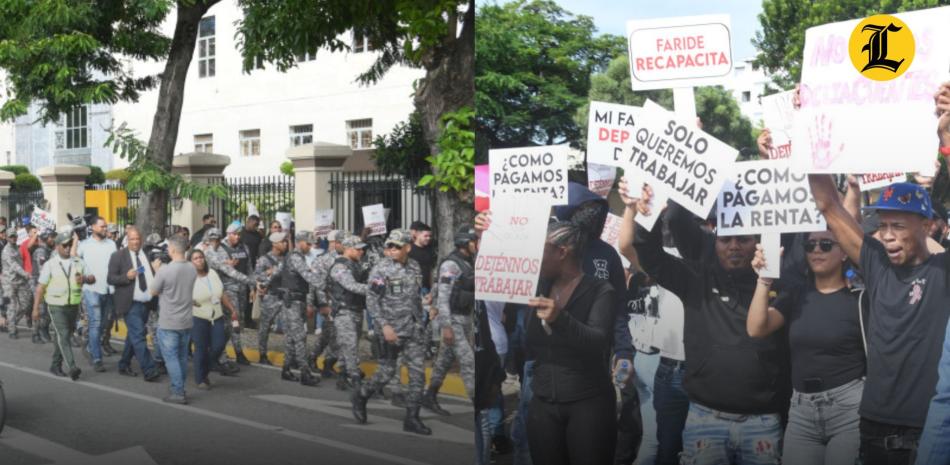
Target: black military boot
pixel 44 333
pixel 241 359
pixel 309 378
pixel 57 370
pixel 413 424
pixel 430 401
pixel 327 371
pixel 288 375
pixel 358 398
pixel 264 360
pixel 398 399
pixel 342 383
pixel 107 347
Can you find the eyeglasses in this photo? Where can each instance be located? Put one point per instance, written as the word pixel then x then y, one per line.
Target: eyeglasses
pixel 824 244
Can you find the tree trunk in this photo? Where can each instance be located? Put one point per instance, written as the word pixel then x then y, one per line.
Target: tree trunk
pixel 153 212
pixel 449 84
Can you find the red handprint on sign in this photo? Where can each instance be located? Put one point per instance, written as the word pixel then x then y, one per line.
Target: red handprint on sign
pixel 823 150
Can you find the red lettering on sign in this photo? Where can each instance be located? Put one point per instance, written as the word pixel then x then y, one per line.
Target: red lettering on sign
pixel 616 136
pixel 519 220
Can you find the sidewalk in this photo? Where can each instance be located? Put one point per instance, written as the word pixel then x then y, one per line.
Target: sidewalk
pixel 452 385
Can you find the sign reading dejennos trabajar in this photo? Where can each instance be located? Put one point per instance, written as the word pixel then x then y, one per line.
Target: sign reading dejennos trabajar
pixel 679 52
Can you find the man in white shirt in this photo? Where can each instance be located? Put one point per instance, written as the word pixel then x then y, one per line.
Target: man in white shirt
pixel 132 274
pixel 95 253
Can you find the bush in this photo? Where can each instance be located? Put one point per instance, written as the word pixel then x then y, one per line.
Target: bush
pixel 26 182
pixel 121 175
pixel 16 169
pixel 96 176
pixel 287 168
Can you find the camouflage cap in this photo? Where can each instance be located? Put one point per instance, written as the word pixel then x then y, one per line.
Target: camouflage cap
pixel 213 233
pixel 153 239
pixel 335 235
pixel 64 235
pixel 352 241
pixel 111 228
pixel 11 231
pixel 46 234
pixel 398 237
pixel 303 236
pixel 234 228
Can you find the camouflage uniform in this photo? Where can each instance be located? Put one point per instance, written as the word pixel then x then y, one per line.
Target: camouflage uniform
pixel 295 276
pixel 270 302
pixel 347 288
pixel 40 256
pixel 235 287
pixel 450 274
pixel 16 285
pixel 326 342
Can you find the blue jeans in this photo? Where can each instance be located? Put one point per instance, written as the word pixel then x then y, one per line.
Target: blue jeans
pixel 645 369
pixel 174 344
pixel 935 441
pixel 672 406
pixel 717 438
pixel 96 305
pixel 519 431
pixel 482 438
pixel 135 339
pixel 823 427
pixel 210 339
pixel 496 414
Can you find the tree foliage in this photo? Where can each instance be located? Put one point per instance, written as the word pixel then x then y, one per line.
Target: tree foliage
pixel 533 62
pixel 287 168
pixel 120 174
pixel 16 169
pixel 715 106
pixel 781 40
pixel 454 165
pixel 26 182
pixel 96 176
pixel 404 149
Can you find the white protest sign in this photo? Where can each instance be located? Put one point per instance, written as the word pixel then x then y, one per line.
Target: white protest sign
pixel 252 210
pixel 778 115
pixel 679 160
pixel 766 196
pixel 611 235
pixel 22 236
pixel 42 219
pixel 529 172
pixel 323 222
pixel 849 123
pixel 284 219
pixel 679 52
pixel 871 181
pixel 374 217
pixel 772 248
pixel 610 129
pixel 509 260
pixel 600 179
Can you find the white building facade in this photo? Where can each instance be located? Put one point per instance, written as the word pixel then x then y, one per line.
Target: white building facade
pixel 747 85
pixel 251 117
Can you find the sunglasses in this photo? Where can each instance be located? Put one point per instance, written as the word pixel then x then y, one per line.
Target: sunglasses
pixel 825 245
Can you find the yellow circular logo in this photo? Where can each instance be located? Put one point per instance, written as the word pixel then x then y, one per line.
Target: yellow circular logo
pixel 881 47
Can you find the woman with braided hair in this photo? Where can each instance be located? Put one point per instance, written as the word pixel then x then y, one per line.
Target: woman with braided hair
pixel 572 415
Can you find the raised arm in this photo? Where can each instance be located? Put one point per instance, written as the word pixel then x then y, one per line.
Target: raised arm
pixel 628 226
pixel 762 320
pixel 668 271
pixel 845 227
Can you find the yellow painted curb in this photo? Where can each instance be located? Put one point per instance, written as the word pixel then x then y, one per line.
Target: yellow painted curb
pixel 452 385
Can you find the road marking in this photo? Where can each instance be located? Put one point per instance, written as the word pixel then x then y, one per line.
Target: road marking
pixel 382 424
pixel 223 417
pixel 60 454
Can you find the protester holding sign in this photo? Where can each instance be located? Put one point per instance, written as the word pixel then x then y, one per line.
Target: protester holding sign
pixel 737 385
pixel 827 354
pixel 571 418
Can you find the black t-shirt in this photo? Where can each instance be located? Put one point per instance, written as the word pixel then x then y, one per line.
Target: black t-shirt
pixel 908 321
pixel 825 337
pixel 426 258
pixel 252 239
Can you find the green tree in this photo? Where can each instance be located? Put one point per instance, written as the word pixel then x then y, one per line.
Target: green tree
pixel 715 106
pixel 781 40
pixel 96 176
pixel 16 169
pixel 26 182
pixel 532 72
pixel 120 174
pixel 287 168
pixel 404 149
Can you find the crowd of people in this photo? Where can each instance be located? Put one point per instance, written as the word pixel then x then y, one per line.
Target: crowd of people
pixel 845 359
pixel 185 297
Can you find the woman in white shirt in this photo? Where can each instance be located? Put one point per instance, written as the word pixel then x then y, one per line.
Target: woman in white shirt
pixel 208 331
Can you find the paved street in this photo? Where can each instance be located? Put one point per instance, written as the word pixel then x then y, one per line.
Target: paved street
pixel 254 418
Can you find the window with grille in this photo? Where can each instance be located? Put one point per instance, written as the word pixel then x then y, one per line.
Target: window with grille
pixel 250 143
pixel 360 43
pixel 360 133
pixel 204 143
pixel 73 130
pixel 206 51
pixel 301 134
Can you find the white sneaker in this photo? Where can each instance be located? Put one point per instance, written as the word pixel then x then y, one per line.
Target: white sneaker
pixel 510 386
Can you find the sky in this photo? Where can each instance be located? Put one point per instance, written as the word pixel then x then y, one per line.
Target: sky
pixel 610 16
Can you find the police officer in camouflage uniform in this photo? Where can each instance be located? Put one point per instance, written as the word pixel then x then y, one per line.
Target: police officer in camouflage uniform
pixel 346 288
pixel 16 282
pixel 224 261
pixel 41 254
pixel 456 301
pixel 3 295
pixel 266 270
pixel 395 302
pixel 326 343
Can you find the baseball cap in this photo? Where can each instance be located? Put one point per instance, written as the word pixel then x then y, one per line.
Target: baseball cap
pixel 212 233
pixel 277 236
pixel 111 228
pixel 465 235
pixel 334 235
pixel 11 231
pixel 904 197
pixel 398 237
pixel 303 236
pixel 64 235
pixel 234 227
pixel 353 241
pixel 46 234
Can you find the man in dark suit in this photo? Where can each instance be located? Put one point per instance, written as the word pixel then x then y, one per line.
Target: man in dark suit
pixel 131 274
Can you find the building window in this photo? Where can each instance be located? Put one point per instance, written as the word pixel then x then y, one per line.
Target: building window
pixel 746 96
pixel 306 56
pixel 250 142
pixel 360 43
pixel 204 143
pixel 72 132
pixel 301 134
pixel 206 47
pixel 360 133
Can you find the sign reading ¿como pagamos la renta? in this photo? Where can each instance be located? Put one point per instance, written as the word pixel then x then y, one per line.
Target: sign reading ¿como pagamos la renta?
pixel 509 259
pixel 529 173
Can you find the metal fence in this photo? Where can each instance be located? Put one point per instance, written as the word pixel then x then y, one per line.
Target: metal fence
pixel 21 205
pixel 401 195
pixel 269 194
